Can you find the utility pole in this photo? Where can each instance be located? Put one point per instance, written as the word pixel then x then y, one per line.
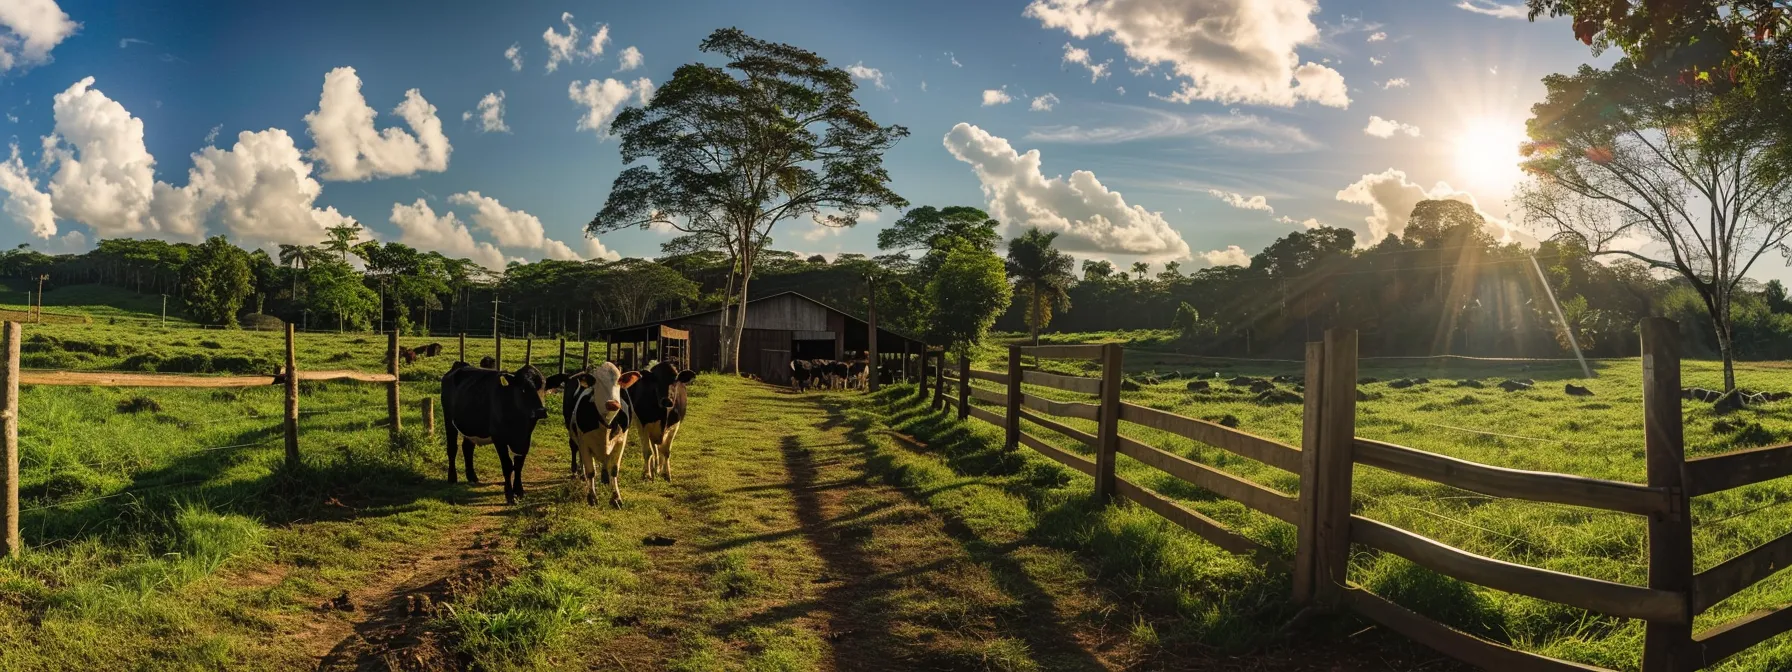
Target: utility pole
pixel 494 314
pixel 579 325
pixel 305 315
pixel 40 295
pixel 164 310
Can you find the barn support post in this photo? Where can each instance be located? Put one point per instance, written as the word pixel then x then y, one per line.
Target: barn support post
pixel 292 401
pixel 1667 647
pixel 1107 432
pixel 562 355
pixel 871 335
pixel 392 387
pixel 11 545
pixel 1331 494
pixel 964 384
pixel 427 407
pixel 1308 522
pixel 1012 440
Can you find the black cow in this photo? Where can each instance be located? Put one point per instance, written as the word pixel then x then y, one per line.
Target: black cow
pixel 839 374
pixel 800 373
pixel 481 406
pixel 658 401
pixel 856 371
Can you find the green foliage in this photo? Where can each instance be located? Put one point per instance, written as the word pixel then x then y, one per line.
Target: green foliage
pixel 336 290
pixel 968 292
pixel 1042 276
pixel 217 278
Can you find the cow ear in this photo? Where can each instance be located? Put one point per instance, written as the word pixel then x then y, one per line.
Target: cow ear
pixel 555 381
pixel 629 379
pixel 687 376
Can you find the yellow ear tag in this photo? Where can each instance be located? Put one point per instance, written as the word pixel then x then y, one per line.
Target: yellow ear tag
pixel 504 382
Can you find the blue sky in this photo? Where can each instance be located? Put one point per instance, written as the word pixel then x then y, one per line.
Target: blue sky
pixel 1188 131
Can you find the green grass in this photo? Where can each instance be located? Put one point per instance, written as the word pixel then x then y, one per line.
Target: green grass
pixel 1539 429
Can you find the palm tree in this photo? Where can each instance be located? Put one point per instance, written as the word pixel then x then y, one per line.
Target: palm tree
pixel 1141 268
pixel 342 238
pixel 1042 276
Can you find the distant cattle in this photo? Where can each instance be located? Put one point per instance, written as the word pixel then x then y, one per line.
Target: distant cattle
pixel 483 406
pixel 1576 391
pixel 1470 382
pixel 856 371
pixel 1700 394
pixel 658 400
pixel 597 412
pixel 431 350
pixel 801 372
pixel 1198 386
pixel 407 355
pixel 839 374
pixel 1514 385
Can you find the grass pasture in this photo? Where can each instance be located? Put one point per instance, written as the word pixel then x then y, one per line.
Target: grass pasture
pixel 1539 429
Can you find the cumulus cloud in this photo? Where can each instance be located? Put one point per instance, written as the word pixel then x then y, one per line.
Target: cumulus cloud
pixel 420 227
pixel 25 205
pixel 1308 223
pixel 1089 216
pixel 514 54
pixel 564 47
pixel 1386 128
pixel 1120 90
pixel 1239 201
pixel 1233 255
pixel 954 60
pixel 596 250
pixel 1073 54
pixel 1378 36
pixel 1230 51
pixel 996 97
pixel 350 148
pixel 1044 103
pixel 491 114
pixel 603 99
pixel 629 59
pixel 873 75
pixel 105 176
pixel 262 190
pixel 1395 83
pixel 29 29
pixel 1375 61
pixel 1391 197
pixel 1231 131
pixel 1493 9
pixel 518 230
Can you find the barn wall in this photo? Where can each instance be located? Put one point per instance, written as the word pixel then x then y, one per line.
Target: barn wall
pixel 766 353
pixel 787 313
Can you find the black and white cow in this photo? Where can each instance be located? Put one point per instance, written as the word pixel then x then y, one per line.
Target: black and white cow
pixel 839 375
pixel 481 406
pixel 801 372
pixel 856 371
pixel 597 416
pixel 658 400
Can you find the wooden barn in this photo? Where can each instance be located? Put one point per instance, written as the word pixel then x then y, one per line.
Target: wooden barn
pixel 780 327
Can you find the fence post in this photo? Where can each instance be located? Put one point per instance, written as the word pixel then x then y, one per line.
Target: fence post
pixel 1013 427
pixel 427 407
pixel 1107 433
pixel 292 401
pixel 392 387
pixel 498 351
pixel 939 380
pixel 562 355
pixel 1667 647
pixel 463 347
pixel 11 545
pixel 528 351
pixel 1307 525
pixel 1331 491
pixel 586 361
pixel 964 383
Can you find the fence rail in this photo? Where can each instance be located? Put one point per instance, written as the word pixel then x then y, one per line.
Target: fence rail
pixel 1326 529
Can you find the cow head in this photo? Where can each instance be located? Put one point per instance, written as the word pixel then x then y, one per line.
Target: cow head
pixel 603 387
pixel 524 391
pixel 664 382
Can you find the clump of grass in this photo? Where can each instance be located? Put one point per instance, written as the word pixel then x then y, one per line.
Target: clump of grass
pixel 731 574
pixel 210 538
pixel 139 404
pixel 522 623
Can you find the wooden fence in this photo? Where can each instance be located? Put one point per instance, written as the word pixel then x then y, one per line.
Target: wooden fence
pixel 1326 528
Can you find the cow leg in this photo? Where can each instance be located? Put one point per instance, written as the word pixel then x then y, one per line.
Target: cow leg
pixel 666 451
pixel 588 460
pixel 613 462
pixel 453 438
pixel 466 455
pixel 647 451
pixel 504 465
pixel 572 441
pixel 516 471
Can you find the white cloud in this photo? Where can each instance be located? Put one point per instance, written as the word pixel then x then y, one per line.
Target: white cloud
pixel 1493 9
pixel 596 250
pixel 1233 255
pixel 1072 54
pixel 1232 131
pixel 954 60
pixel 1391 197
pixel 511 228
pixel 1377 37
pixel 1395 83
pixel 514 54
pixel 1309 223
pixel 350 149
pixel 1239 201
pixel 629 59
pixel 29 29
pixel 603 99
pixel 1089 216
pixel 491 114
pixel 923 86
pixel 1386 128
pixel 1044 103
pixel 598 40
pixel 1230 51
pixel 561 48
pixel 211 136
pixel 1120 90
pixel 25 205
pixel 420 227
pixel 1375 61
pixel 261 187
pixel 996 97
pixel 873 75
pixel 105 176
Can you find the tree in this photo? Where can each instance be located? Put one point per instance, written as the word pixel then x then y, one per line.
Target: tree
pixel 1681 35
pixel 774 134
pixel 1626 153
pixel 338 290
pixel 1041 276
pixel 633 288
pixel 1188 324
pixel 1096 271
pixel 217 278
pixel 933 230
pixel 968 292
pixel 1140 268
pixel 342 239
pixel 1438 224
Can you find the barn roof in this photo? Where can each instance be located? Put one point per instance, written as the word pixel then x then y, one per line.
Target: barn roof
pixel 750 302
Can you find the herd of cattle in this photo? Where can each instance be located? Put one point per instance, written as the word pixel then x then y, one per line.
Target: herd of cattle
pixel 483 405
pixel 830 374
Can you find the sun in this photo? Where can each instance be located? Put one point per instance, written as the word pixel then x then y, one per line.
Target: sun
pixel 1487 153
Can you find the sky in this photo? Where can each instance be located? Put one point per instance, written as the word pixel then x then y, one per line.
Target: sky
pixel 1195 131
